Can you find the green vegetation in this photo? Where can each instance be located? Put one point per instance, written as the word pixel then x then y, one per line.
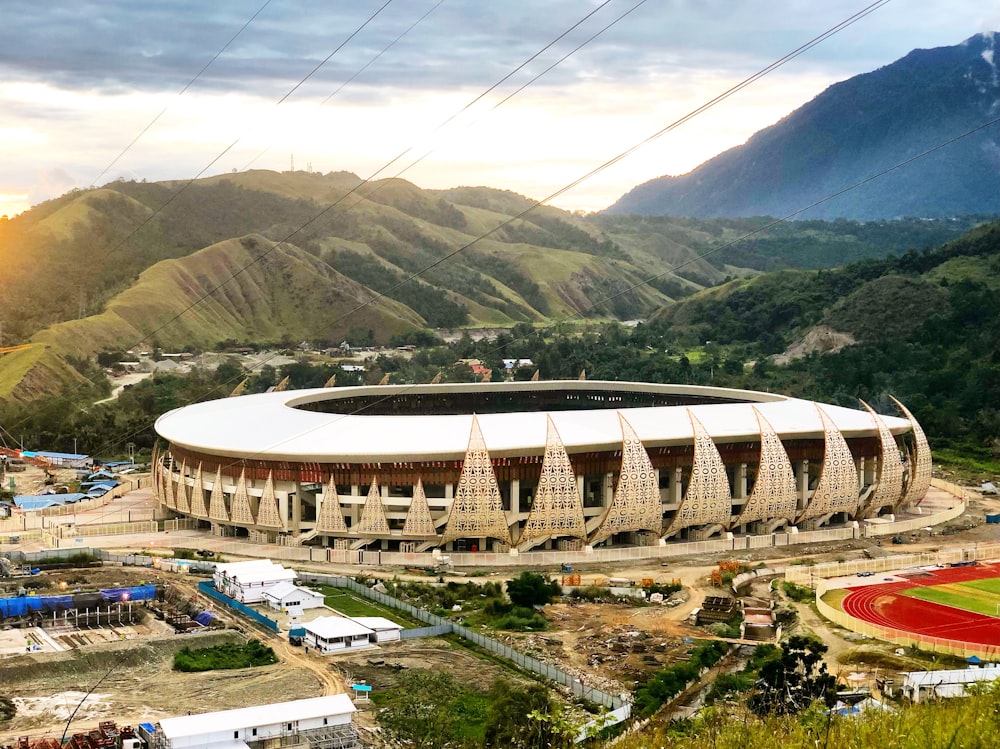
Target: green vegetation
pixel 532 589
pixel 668 682
pixel 795 679
pixel 732 685
pixel 225 656
pixel 966 723
pixel 433 709
pixel 797 593
pixel 483 604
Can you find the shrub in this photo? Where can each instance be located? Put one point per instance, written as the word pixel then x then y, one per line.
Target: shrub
pixel 226 656
pixel 798 593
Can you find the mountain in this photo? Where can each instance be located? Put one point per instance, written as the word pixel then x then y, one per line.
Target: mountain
pixel 261 256
pixel 272 257
pixel 924 327
pixel 851 131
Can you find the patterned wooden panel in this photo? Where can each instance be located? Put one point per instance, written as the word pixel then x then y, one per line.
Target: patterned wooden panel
pixel 889 479
pixel 331 517
pixel 920 463
pixel 167 482
pixel 217 502
pixel 267 511
pixel 477 511
pixel 557 509
pixel 418 519
pixel 708 499
pixel 240 505
pixel 182 495
pixel 636 503
pixel 198 508
pixel 837 489
pixel 774 494
pixel 373 522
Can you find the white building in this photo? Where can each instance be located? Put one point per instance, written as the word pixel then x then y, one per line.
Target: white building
pixel 292 599
pixel 248 581
pixel 946 683
pixel 385 630
pixel 324 721
pixel 330 634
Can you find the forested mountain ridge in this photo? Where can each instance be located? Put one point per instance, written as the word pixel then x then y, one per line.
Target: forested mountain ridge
pixel 925 326
pixel 117 266
pixel 851 131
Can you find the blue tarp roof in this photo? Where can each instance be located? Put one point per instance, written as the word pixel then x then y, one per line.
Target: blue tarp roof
pixel 41 501
pixel 57 456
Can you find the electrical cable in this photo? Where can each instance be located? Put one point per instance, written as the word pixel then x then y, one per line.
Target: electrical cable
pixel 721 97
pixel 397 391
pixel 181 92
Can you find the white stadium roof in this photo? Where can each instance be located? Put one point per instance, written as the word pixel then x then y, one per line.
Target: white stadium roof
pixel 269 426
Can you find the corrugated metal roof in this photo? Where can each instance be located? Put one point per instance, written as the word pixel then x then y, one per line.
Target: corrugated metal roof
pixel 260 715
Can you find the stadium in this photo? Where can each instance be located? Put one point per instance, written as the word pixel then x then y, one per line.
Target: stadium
pixel 565 465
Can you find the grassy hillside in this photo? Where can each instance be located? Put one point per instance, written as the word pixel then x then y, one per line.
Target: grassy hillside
pixel 289 293
pixel 110 267
pixel 927 327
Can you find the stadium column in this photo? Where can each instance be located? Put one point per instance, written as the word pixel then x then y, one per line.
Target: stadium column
pixel 675 487
pixel 860 467
pixel 740 488
pixel 296 524
pixel 283 498
pixel 515 498
pixel 802 481
pixel 355 507
pixel 384 493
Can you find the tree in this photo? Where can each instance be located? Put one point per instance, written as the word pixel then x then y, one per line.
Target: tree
pixel 792 681
pixel 524 717
pixel 423 718
pixel 531 589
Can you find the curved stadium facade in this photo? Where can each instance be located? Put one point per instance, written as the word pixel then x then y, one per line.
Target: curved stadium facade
pixel 531 465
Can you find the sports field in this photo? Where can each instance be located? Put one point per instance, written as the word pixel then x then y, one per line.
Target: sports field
pixel 980 596
pixel 955 603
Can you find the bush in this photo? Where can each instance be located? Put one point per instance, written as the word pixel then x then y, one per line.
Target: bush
pixel 667 683
pixel 226 656
pixel 521 619
pixel 798 593
pixel 532 589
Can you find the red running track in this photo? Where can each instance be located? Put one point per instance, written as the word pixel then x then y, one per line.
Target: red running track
pixel 883 605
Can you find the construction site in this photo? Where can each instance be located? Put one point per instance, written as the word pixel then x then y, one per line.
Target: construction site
pixel 86 641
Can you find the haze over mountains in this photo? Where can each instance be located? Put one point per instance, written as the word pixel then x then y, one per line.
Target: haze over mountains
pixel 851 131
pixel 267 257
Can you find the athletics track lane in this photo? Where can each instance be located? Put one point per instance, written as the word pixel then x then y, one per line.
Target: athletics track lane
pixel 882 604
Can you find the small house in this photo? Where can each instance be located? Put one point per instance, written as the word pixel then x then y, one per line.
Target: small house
pixel 292 599
pixel 248 581
pixel 330 634
pixel 385 630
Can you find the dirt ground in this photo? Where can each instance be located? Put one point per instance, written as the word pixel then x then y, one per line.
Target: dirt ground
pixel 137 684
pixel 608 645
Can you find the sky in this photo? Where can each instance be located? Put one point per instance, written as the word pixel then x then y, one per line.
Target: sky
pixel 521 95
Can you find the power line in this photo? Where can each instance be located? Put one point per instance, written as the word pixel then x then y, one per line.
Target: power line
pixel 710 251
pixel 674 269
pixel 239 271
pixel 363 68
pixel 187 183
pixel 180 93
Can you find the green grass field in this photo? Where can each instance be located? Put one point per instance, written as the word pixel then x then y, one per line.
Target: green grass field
pixel 347 604
pixel 979 596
